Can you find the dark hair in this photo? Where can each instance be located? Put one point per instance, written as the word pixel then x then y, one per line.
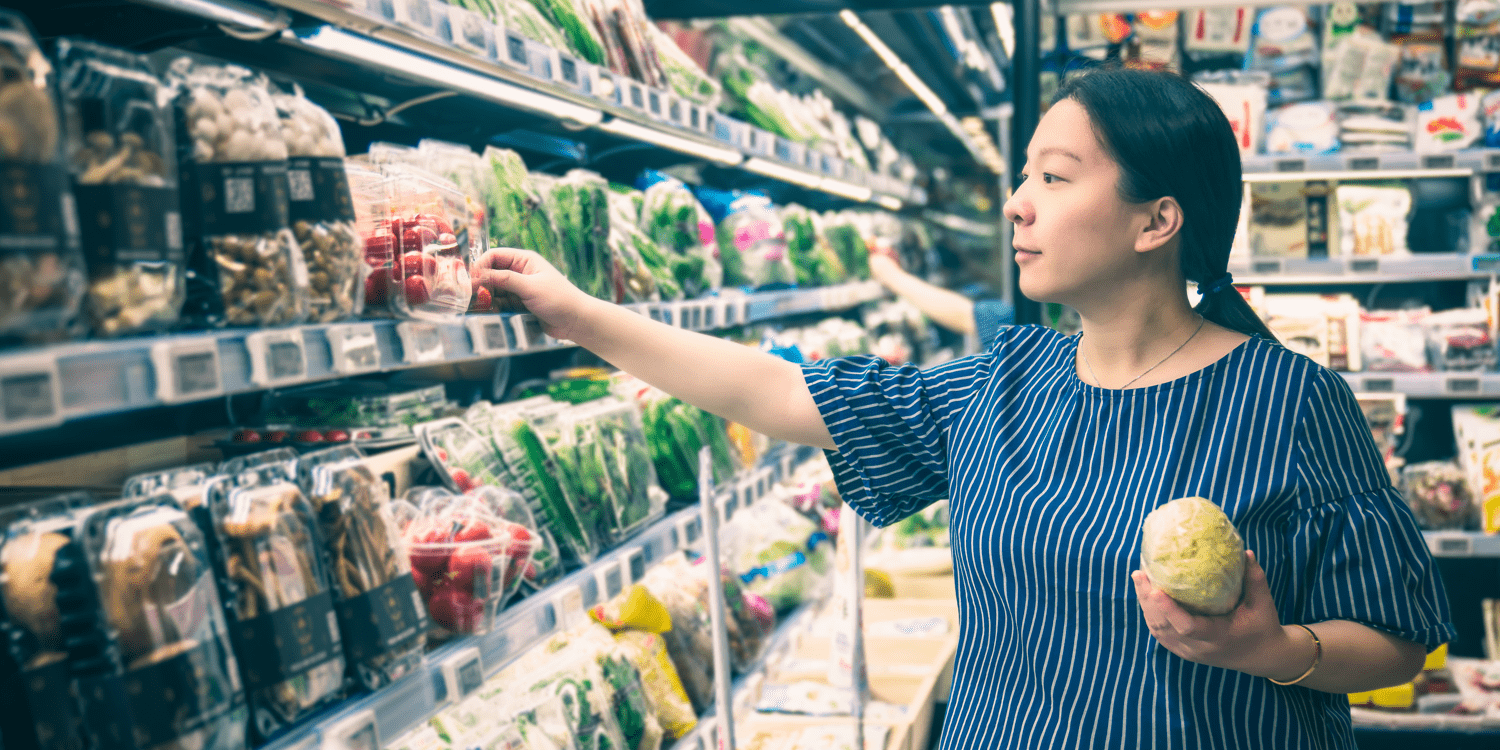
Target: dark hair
pixel 1171 139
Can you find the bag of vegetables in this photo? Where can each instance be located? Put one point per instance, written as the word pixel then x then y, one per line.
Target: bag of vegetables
pixel 579 205
pixel 681 227
pixel 752 242
pixel 518 207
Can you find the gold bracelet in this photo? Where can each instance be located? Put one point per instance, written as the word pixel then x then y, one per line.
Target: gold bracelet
pixel 1317 659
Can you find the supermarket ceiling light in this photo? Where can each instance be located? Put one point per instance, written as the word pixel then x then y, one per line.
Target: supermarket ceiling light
pixel 784 173
pixel 721 154
pixel 409 65
pixel 846 190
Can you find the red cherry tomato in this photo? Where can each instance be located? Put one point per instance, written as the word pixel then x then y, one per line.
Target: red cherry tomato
pixel 473 531
pixel 309 436
pixel 416 291
pixel 469 570
pixel 411 264
pixel 455 609
pixel 336 436
pixel 277 436
pixel 247 436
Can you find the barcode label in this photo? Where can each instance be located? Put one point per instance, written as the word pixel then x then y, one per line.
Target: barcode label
pixel 239 195
pixel 299 184
pixel 416 603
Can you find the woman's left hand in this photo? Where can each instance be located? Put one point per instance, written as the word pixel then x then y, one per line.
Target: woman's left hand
pixel 1249 639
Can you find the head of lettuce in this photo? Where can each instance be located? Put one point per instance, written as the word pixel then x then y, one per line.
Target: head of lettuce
pixel 1191 551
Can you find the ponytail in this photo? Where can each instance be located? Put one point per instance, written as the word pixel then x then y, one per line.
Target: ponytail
pixel 1225 307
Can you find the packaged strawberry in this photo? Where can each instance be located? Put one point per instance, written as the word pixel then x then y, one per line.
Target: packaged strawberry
pixel 278 590
pixel 420 249
pixel 381 616
pixel 543 564
pixel 465 559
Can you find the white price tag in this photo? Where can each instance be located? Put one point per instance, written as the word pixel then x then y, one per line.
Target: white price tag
pixel 487 335
pixel 277 357
pixel 611 580
pixel 569 605
pixel 187 369
pixel 528 331
pixel 30 393
pixel 636 562
pixel 725 314
pixel 354 732
pixel 420 342
pixel 353 348
pixel 464 673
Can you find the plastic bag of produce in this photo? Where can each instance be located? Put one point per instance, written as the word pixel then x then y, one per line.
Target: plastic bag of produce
pixel 843 235
pixel 638 621
pixel 1439 495
pixel 572 20
pixel 777 553
pixel 683 74
pixel 383 624
pixel 601 448
pixel 579 205
pixel 672 216
pixel 124 166
pixel 523 17
pixel 632 279
pixel 321 209
pixel 1192 552
pixel 675 432
pixel 279 591
pixel 245 266
pixel 752 244
pixel 159 601
pixel 517 207
pixel 42 269
pixel 37 541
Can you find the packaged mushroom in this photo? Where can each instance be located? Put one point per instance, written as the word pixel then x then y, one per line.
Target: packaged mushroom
pixel 280 602
pixel 381 616
pixel 170 681
pixel 122 159
pixel 35 681
pixel 322 210
pixel 41 268
pixel 186 485
pixel 245 265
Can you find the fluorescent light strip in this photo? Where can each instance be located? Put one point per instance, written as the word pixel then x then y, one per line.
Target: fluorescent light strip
pixel 846 189
pixel 784 173
pixel 229 12
pixel 721 154
pixel 406 64
pixel 888 202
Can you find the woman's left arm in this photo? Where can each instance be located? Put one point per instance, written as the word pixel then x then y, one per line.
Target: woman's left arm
pixel 1251 639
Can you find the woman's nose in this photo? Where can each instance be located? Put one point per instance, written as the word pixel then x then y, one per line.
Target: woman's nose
pixel 1017 208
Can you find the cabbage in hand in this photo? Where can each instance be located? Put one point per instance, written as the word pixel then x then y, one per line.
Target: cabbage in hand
pixel 1191 551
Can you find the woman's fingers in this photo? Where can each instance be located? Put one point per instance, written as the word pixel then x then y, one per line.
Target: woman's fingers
pixel 1151 603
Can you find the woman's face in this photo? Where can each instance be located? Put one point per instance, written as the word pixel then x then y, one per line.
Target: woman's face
pixel 1073 232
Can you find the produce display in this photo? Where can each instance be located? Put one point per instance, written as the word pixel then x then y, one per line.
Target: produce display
pixel 517 207
pixel 752 244
pixel 248 267
pixel 278 589
pixel 600 450
pixel 672 216
pixel 1192 552
pixel 123 161
pixel 42 271
pixel 579 205
pixel 675 433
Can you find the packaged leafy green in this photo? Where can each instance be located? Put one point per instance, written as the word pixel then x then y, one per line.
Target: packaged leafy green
pixel 675 432
pixel 811 255
pixel 777 553
pixel 579 205
pixel 524 18
pixel 601 448
pixel 572 20
pixel 848 244
pixel 682 228
pixel 753 236
pixel 517 206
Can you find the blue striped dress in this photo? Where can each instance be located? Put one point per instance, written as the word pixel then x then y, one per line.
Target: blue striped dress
pixel 1049 479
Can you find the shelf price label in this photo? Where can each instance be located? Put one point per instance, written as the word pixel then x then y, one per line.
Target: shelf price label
pixel 638 559
pixel 487 335
pixel 1462 385
pixel 355 732
pixel 187 369
pixel 420 342
pixel 527 330
pixel 1364 265
pixel 463 672
pixel 1265 267
pixel 611 580
pixel 277 357
pixel 1458 545
pixel 30 393
pixel 353 348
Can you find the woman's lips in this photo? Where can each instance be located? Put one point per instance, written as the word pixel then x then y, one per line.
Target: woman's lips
pixel 1023 254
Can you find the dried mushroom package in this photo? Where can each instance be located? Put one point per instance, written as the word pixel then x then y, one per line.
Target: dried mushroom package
pixel 123 161
pixel 281 608
pixel 321 209
pixel 245 267
pixel 382 620
pixel 171 682
pixel 35 681
pixel 186 484
pixel 41 268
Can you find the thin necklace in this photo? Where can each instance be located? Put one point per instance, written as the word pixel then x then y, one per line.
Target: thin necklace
pixel 1100 383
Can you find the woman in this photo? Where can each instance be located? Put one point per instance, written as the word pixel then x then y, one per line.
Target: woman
pixel 1053 449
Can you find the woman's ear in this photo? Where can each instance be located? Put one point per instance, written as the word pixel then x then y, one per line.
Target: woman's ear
pixel 1163 222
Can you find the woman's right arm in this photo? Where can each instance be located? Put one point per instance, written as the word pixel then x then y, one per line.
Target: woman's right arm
pixel 740 383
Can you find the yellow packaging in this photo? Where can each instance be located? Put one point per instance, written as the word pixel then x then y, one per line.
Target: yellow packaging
pixel 1438 659
pixel 1398 696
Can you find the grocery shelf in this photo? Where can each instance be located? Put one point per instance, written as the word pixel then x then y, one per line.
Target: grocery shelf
pixel 1398 165
pixel 1462 543
pixel 1438 385
pixel 1364 270
pixel 415 698
pixel 45 387
pixel 524 75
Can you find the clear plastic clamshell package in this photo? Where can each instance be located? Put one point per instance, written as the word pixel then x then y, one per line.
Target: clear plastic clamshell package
pixel 123 161
pixel 601 448
pixel 245 267
pixel 35 680
pixel 469 553
pixel 41 268
pixel 420 238
pixel 279 591
pixel 321 209
pixel 169 681
pixel 382 620
pixel 187 485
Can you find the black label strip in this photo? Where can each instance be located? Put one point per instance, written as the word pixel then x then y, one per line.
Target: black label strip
pixel 124 224
pixel 319 190
pixel 382 619
pixel 283 644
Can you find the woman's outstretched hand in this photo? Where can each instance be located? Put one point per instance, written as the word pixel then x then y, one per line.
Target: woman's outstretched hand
pixel 1249 639
pixel 522 279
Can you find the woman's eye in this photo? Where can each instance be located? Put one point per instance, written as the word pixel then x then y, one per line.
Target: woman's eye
pixel 1047 178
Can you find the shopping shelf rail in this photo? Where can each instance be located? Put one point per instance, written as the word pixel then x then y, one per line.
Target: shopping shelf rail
pixel 45 387
pixel 1364 270
pixel 1462 543
pixel 384 715
pixel 1436 385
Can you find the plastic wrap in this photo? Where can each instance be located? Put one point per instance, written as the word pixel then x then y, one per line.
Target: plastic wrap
pixel 41 269
pixel 279 590
pixel 579 208
pixel 675 432
pixel 681 226
pixel 1373 218
pixel 638 621
pixel 1459 341
pixel 752 244
pixel 186 484
pixel 245 266
pixel 123 161
pixel 421 249
pixel 1438 495
pixel 1394 340
pixel 848 245
pixel 517 207
pixel 640 271
pixel 1193 553
pixel 777 553
pixel 600 448
pixel 321 209
pixel 383 628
